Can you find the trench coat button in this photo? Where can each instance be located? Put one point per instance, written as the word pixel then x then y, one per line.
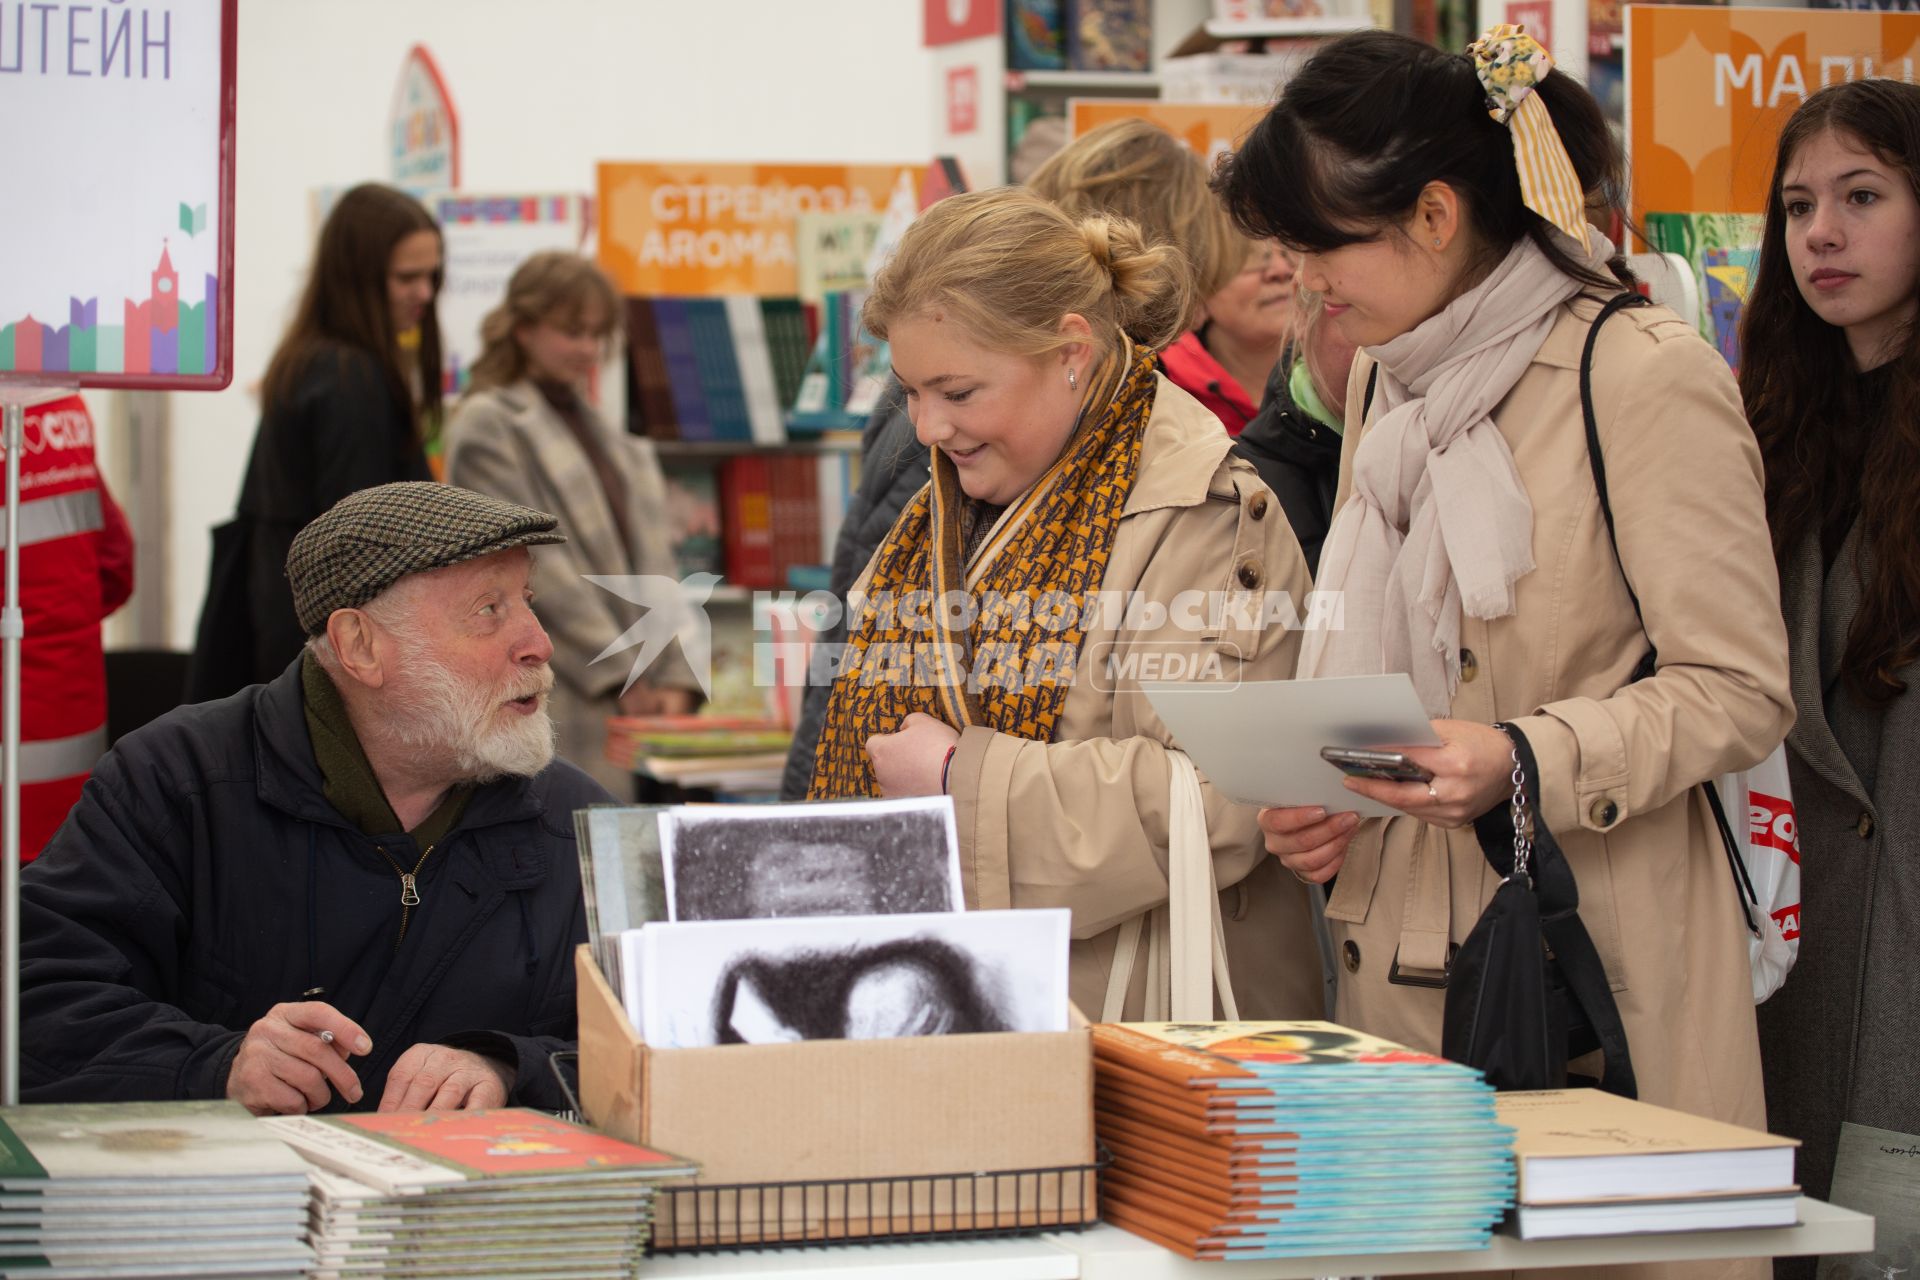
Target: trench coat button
pixel 1604 812
pixel 1258 507
pixel 1865 826
pixel 1469 666
pixel 1350 955
pixel 1249 575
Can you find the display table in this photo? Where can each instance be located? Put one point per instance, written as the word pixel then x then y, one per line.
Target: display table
pixel 1108 1253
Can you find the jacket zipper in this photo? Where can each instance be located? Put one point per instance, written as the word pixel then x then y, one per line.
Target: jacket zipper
pixel 409 889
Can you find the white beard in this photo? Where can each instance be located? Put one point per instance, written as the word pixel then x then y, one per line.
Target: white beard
pixel 437 715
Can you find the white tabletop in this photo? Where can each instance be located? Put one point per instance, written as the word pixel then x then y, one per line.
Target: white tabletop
pixel 1107 1253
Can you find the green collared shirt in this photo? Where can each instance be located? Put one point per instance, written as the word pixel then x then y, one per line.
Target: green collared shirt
pixel 349 782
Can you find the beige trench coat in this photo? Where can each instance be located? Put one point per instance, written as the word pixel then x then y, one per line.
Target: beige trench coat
pixel 1081 822
pixel 1619 762
pixel 508 442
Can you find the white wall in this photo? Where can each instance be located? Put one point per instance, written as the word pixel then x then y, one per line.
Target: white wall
pixel 543 89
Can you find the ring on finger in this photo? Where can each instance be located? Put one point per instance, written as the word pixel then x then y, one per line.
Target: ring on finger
pixel 1432 794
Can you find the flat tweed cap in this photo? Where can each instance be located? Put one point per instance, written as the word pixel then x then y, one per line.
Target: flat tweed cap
pixel 370 540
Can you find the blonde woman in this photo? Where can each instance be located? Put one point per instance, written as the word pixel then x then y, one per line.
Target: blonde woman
pixel 1242 306
pixel 1081 509
pixel 525 433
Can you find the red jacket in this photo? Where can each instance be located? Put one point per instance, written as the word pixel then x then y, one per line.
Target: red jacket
pixel 76 567
pixel 1190 367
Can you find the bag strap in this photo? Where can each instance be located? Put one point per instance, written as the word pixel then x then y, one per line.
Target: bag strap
pixel 1186 941
pixel 1742 883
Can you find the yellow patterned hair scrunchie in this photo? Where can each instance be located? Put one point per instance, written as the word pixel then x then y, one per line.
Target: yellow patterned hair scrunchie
pixel 1510 63
pixel 1010 665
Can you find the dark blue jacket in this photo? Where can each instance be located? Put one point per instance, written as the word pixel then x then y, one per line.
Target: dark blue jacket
pixel 204 878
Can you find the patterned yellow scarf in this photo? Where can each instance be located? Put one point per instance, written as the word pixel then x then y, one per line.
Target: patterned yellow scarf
pixel 1006 657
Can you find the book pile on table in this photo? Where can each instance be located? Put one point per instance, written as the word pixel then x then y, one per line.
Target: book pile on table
pixel 507 1192
pixel 674 747
pixel 1592 1164
pixel 1239 1140
pixel 148 1189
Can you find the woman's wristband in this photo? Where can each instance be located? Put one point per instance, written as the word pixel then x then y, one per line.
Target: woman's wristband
pixel 945 765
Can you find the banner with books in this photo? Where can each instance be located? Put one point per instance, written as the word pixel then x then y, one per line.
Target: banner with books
pixel 708 230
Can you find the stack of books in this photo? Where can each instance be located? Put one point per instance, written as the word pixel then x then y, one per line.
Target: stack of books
pixel 504 1192
pixel 672 747
pixel 146 1189
pixel 1591 1164
pixel 1241 1140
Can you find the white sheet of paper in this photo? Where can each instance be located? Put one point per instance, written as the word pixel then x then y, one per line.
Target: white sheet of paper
pixel 1259 741
pixel 831 977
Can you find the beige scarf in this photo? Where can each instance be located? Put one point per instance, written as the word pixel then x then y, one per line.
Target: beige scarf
pixel 1438 521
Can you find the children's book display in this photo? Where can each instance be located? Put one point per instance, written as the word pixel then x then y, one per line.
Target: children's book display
pixel 506 1192
pixel 1240 1140
pixel 148 1189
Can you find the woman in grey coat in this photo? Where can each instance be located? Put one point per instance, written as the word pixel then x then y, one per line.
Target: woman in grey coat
pixel 525 433
pixel 1831 377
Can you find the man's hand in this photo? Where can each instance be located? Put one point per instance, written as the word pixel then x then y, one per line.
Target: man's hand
pixel 294 1060
pixel 433 1077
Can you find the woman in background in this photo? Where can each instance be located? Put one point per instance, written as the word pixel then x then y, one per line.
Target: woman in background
pixel 1064 465
pixel 524 432
pixel 1295 438
pixel 1242 307
pixel 345 403
pixel 1830 368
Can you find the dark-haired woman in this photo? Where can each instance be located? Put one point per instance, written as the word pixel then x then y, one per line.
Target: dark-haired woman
pixel 1831 374
pixel 1449 242
pixel 343 403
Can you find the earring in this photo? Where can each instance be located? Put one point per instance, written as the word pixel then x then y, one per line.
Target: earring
pixel 1436 242
pixel 1073 380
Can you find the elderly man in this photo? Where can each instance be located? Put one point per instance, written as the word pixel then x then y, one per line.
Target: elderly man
pixel 355 885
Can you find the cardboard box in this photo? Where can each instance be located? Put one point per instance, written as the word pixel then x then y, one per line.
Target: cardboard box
pixel 1003 1111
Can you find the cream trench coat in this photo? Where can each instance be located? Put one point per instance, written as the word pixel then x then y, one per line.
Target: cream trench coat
pixel 1619 762
pixel 1081 822
pixel 509 443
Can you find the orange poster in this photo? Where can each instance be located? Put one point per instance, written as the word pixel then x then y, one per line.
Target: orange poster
pixel 1208 127
pixel 1708 89
pixel 704 229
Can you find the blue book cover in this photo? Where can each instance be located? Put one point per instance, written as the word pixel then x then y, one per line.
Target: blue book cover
pixel 683 368
pixel 719 369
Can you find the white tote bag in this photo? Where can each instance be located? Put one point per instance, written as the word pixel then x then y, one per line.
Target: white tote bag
pixel 1769 847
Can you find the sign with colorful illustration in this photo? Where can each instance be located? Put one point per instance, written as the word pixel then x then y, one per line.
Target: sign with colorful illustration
pixel 116 239
pixel 423 130
pixel 1708 89
pixel 703 230
pixel 1211 128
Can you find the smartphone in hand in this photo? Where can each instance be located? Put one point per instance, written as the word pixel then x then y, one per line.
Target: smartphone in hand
pixel 1388 766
